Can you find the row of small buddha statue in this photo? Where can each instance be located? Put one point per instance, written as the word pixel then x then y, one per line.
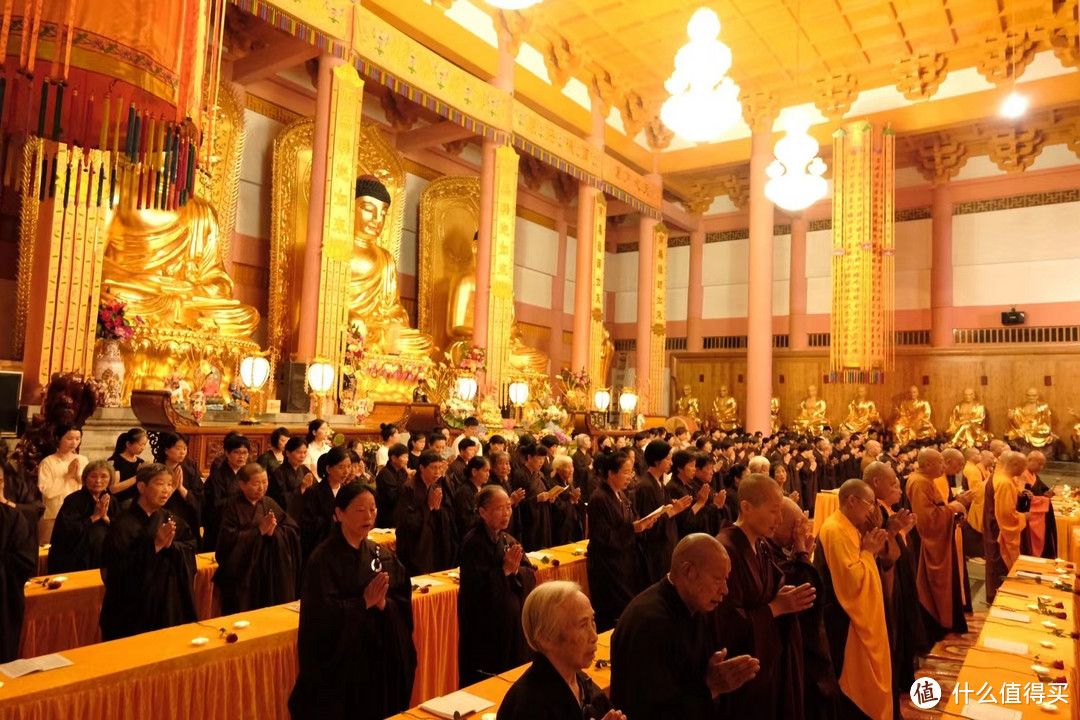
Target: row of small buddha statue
pixel 1029 422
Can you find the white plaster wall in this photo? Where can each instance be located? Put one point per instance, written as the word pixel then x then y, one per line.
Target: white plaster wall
pixel 254 192
pixel 410 242
pixel 1026 255
pixel 569 273
pixel 724 277
pixel 818 272
pixel 536 253
pixel 620 277
pixel 678 280
pixel 913 262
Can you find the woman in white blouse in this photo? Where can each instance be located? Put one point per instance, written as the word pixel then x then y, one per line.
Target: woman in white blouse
pixel 59 475
pixel 318 442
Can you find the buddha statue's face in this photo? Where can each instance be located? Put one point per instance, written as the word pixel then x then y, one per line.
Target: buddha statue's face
pixel 1032 395
pixel 969 395
pixel 370 217
pixel 686 390
pixel 861 392
pixel 812 390
pixel 913 392
pixel 723 391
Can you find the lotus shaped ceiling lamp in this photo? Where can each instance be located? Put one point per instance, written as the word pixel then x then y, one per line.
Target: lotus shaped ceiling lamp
pixel 704 102
pixel 795 176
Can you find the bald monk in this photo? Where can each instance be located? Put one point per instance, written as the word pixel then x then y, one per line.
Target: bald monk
pixel 940 576
pixel 952 472
pixel 974 480
pixel 1003 523
pixel 998 447
pixel 759 615
pixel 896 563
pixel 854 606
pixel 662 664
pixel 871 450
pixel 793 541
pixel 1040 537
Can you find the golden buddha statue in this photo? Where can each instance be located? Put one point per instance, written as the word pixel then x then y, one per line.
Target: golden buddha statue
pixel 167 266
pixel 774 415
pixel 725 410
pixel 967 421
pixel 459 322
pixel 862 413
pixel 1030 422
pixel 1075 433
pixel 687 405
pixel 811 419
pixel 372 291
pixel 913 419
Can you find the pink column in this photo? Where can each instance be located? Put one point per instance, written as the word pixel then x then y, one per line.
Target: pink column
pixel 309 286
pixel 695 292
pixel 797 337
pixel 558 293
pixel 941 273
pixel 504 81
pixel 579 348
pixel 760 325
pixel 646 269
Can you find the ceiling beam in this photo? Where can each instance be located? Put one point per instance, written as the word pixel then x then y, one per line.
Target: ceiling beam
pixel 678 219
pixel 616 208
pixel 269 62
pixel 432 135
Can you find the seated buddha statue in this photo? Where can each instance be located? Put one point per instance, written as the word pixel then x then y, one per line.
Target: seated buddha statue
pixel 967 422
pixel 774 415
pixel 811 418
pixel 687 405
pixel 913 419
pixel 372 291
pixel 459 322
pixel 862 413
pixel 1030 422
pixel 725 410
pixel 167 266
pixel 1075 433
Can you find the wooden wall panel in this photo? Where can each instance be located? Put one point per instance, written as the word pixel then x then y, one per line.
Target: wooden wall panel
pixel 1008 374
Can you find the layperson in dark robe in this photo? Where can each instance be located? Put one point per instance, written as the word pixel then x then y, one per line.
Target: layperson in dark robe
pixel 126 461
pixel 557 621
pixel 683 483
pixel 732 478
pixel 496 443
pixel 582 460
pixel 805 475
pixel 456 473
pixel 426 536
pixel 854 606
pixel 647 495
pixel 758 617
pixel 568 509
pixel 274 454
pixel 416 444
pixel 793 541
pixel 149 563
pixel 357 658
pixel 478 471
pixel 826 470
pixel 18 563
pixel 389 481
pixel 16 492
pixel 897 566
pixel 292 478
pixel 501 474
pixel 189 491
pixel 83 522
pixel 662 660
pixel 317 504
pixel 535 508
pixel 705 471
pixel 940 575
pixel 614 563
pixel 221 486
pixel 258 551
pixel 496 577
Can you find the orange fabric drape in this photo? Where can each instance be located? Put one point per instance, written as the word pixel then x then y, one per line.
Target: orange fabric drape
pixel 934 522
pixel 1010 522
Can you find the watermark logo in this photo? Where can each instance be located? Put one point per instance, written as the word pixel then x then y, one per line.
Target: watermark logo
pixel 925 693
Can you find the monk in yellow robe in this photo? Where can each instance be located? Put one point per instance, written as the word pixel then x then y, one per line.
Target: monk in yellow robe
pixel 1003 523
pixel 939 580
pixel 974 479
pixel 854 605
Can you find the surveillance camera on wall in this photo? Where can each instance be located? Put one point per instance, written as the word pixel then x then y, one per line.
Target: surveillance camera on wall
pixel 1013 317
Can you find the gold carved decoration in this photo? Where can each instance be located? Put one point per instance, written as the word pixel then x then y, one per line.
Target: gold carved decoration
pixel 919 76
pixel 835 95
pixel 647 190
pixel 1065 36
pixel 267 109
pixel 28 217
pixel 1014 150
pixel 941 159
pixel 700 202
pixel 221 187
pixel 561 62
pixel 657 135
pixel 657 338
pixel 602 89
pixel 511 26
pixel 501 301
pixel 635 115
pixel 401 112
pixel 737 187
pixel 759 109
pixel 1006 56
pixel 596 321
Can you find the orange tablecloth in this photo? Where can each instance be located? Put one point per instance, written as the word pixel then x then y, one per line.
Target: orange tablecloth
pixel 825 505
pixel 162 675
pixel 66 618
pixel 1072 546
pixel 995 668
pixel 495 689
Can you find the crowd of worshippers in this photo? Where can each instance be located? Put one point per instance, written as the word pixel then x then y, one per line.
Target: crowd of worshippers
pixel 701 556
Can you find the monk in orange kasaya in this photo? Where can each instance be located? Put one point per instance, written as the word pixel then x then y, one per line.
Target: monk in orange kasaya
pixel 940 580
pixel 1003 523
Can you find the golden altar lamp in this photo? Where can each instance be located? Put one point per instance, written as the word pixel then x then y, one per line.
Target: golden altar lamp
pixel 628 400
pixel 519 395
pixel 320 378
pixel 254 374
pixel 466 387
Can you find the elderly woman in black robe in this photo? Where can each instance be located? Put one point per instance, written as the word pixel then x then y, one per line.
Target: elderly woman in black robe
pixel 496 577
pixel 18 563
pixel 357 658
pixel 83 522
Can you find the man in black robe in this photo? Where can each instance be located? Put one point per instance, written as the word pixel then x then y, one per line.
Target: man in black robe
pixel 357 657
pixel 258 551
pixel 793 541
pixel 583 465
pixel 83 523
pixel 221 486
pixel 18 492
pixel 662 664
pixel 648 495
pixel 826 467
pixel 149 563
pixel 457 470
pixel 759 615
pixel 18 563
pixel 426 536
pixel 389 482
pixel 534 510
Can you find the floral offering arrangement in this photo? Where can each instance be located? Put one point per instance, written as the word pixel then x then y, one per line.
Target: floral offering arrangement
pixel 454 411
pixel 113 323
pixel 474 361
